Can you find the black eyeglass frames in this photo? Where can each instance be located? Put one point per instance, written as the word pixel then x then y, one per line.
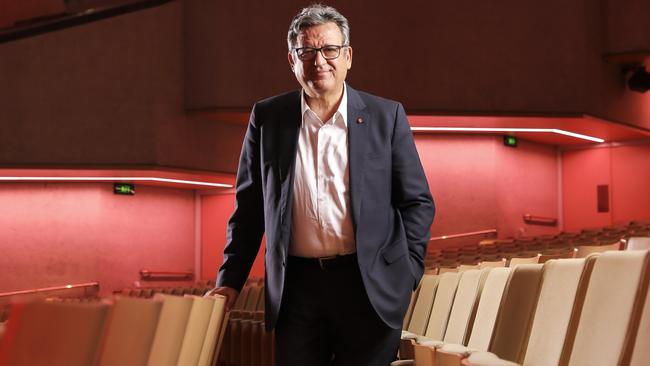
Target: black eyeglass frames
pixel 329 52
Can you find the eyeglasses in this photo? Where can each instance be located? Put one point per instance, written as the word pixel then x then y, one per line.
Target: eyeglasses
pixel 329 52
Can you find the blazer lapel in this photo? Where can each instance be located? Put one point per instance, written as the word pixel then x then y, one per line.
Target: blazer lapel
pixel 287 157
pixel 357 136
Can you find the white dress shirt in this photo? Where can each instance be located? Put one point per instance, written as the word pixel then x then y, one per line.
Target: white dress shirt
pixel 322 221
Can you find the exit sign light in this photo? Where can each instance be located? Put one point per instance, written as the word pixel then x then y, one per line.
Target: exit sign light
pixel 510 141
pixel 124 188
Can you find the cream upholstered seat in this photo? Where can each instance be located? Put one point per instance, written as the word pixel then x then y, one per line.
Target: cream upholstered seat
pixel 460 318
pixel 56 334
pixel 638 243
pixel 485 316
pixel 514 261
pixel 440 310
pixel 129 332
pixel 409 310
pixel 585 250
pixel 439 315
pixel 442 304
pixel 558 309
pixel 641 351
pixel 515 312
pixel 611 311
pixel 421 313
pixel 423 304
pixel 495 263
pixel 505 329
pixel 167 341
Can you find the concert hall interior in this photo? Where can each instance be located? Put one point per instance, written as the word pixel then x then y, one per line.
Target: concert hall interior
pixel 121 126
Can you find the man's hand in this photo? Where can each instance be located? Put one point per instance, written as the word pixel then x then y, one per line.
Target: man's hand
pixel 230 293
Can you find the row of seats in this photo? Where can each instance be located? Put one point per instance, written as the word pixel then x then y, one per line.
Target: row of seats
pixel 247 343
pixel 562 245
pixel 582 311
pixel 149 292
pixel 122 331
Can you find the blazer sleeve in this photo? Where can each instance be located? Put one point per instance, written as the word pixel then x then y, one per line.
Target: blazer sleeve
pixel 410 191
pixel 246 225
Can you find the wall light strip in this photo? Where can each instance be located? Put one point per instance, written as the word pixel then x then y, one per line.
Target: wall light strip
pixel 496 129
pixel 112 179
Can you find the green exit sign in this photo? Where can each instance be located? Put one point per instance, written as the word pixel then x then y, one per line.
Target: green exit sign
pixel 124 188
pixel 510 141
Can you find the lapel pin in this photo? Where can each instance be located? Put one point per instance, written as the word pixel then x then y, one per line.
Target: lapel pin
pixel 359 120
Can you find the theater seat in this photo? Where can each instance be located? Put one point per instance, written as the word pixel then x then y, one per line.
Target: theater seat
pixel 558 309
pixel 166 345
pixel 127 338
pixel 203 311
pixel 556 316
pixel 612 308
pixel 515 312
pixel 442 304
pixel 437 323
pixel 585 250
pixel 641 351
pixel 53 334
pixel 512 314
pixel 460 319
pixel 421 313
pixel 638 243
pixel 514 261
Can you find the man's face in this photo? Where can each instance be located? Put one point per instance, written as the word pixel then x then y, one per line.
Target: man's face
pixel 320 77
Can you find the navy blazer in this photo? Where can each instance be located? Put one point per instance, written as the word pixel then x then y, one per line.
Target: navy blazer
pixel 391 205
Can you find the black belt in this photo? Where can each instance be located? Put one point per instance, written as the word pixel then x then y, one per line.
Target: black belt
pixel 324 262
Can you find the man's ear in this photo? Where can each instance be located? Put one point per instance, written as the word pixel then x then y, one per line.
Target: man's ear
pixel 292 62
pixel 349 57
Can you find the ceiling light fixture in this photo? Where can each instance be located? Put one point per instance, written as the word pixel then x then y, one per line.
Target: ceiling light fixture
pixel 494 129
pixel 113 179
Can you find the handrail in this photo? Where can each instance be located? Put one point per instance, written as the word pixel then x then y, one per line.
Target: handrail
pixel 147 275
pixel 48 289
pixel 539 220
pixel 462 235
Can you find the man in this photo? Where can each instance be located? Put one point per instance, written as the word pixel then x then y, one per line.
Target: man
pixel 332 176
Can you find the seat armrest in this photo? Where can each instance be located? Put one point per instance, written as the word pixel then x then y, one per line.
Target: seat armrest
pixel 486 359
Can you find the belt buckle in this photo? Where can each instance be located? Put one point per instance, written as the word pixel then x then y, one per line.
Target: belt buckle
pixel 321 260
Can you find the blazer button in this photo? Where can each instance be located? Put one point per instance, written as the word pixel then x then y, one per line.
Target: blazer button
pixel 359 120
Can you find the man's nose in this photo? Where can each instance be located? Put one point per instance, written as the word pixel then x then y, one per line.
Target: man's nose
pixel 319 59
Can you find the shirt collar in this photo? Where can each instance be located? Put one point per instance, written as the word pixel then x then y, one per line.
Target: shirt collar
pixel 341 112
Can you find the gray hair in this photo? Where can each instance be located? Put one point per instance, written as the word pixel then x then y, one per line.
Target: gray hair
pixel 317 14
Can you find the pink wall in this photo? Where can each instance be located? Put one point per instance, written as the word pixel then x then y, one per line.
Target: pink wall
pixel 631 182
pixel 480 184
pixel 55 234
pixel 623 168
pixel 215 212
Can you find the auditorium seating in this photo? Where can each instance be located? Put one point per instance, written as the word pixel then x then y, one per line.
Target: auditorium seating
pixel 461 316
pixel 421 312
pixel 537 249
pixel 439 313
pixel 120 331
pixel 582 311
pixel 544 308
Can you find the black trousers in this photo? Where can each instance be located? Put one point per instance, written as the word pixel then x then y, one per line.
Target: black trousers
pixel 326 318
